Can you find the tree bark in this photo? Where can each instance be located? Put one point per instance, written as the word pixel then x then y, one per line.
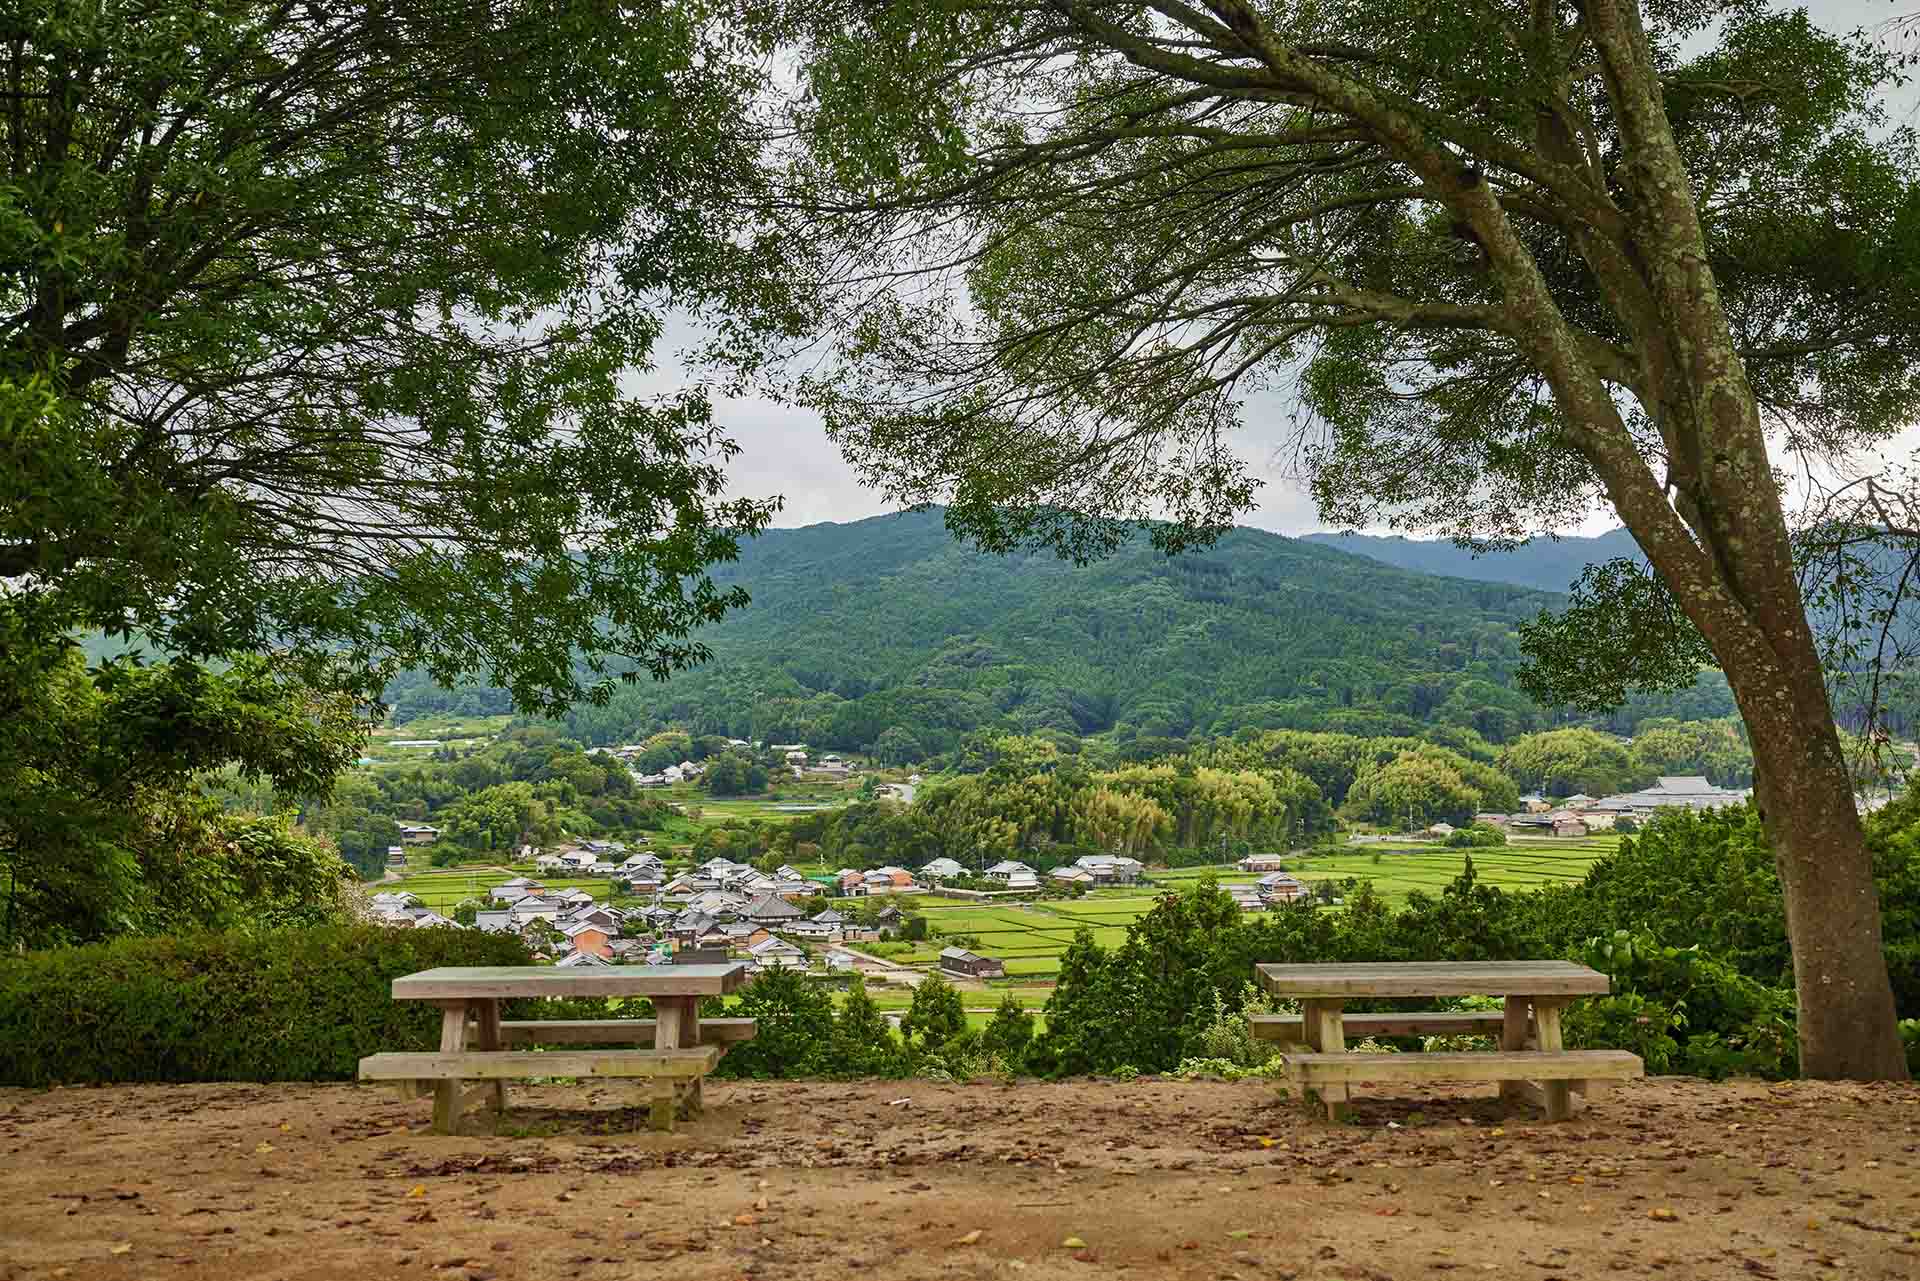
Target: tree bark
pixel 1846 1013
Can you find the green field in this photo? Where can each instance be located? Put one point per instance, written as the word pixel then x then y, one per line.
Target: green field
pixel 443 888
pixel 1030 938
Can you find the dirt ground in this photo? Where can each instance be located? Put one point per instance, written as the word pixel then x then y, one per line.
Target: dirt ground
pixel 898 1181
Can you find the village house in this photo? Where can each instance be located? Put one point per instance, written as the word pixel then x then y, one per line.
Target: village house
pixel 1006 870
pixel 575 959
pixel 957 960
pixel 1071 875
pixel 771 909
pixel 1111 869
pixel 942 869
pixel 1246 897
pixel 1680 791
pixel 587 936
pixel 1279 887
pixel 889 880
pixel 418 834
pixel 1262 863
pixel 517 888
pixel 771 952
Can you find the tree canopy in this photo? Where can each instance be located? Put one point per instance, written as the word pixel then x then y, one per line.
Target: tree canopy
pixel 1517 259
pixel 315 322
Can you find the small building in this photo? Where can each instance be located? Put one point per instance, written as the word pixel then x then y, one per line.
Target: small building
pixel 589 936
pixel 1441 830
pixel 1006 870
pixel 574 959
pixel 1262 863
pixel 771 909
pixel 1279 887
pixel 771 952
pixel 1247 898
pixel 1111 869
pixel 1071 876
pixel 942 869
pixel 957 960
pixel 418 834
pixel 514 890
pixel 1023 881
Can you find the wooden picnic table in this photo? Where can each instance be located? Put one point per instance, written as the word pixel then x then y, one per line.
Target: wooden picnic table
pixel 475 1042
pixel 1529 1030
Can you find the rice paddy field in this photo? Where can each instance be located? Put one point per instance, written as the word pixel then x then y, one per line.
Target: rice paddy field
pixel 1031 937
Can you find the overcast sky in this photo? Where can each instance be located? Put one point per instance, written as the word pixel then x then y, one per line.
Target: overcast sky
pixel 786 452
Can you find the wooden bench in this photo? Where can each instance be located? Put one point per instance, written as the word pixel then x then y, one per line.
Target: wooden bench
pixel 1582 1071
pixel 1527 1029
pixel 493 1067
pixel 474 1039
pixel 1291 1027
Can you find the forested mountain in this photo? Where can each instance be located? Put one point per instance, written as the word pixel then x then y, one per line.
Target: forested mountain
pixel 887 633
pixel 1544 563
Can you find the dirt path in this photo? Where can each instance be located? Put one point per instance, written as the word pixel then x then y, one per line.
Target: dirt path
pixel 811 1181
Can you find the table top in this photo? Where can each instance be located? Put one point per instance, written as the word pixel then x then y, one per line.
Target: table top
pixel 1433 978
pixel 470 981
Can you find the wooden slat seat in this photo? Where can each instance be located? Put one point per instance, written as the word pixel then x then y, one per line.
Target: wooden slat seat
pixel 1289 1027
pixel 721 1032
pixel 1312 1070
pixel 489 1065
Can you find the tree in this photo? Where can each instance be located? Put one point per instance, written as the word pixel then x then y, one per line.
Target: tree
pixel 1009 1032
pixel 734 773
pixel 937 1014
pixel 104 826
pixel 1524 259
pixel 313 320
pixel 1716 749
pixel 1561 762
pixel 467 910
pixel 863 1043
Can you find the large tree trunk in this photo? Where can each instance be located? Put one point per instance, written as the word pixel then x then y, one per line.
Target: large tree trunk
pixel 1805 793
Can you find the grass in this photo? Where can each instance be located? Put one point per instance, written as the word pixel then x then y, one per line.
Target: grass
pixel 1031 938
pixel 442 888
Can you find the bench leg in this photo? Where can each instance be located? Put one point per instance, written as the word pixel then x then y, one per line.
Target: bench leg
pixel 446 1094
pixel 661 1107
pixel 1322 1025
pixel 666 1023
pixel 490 1039
pixel 1559 1093
pixel 1514 1030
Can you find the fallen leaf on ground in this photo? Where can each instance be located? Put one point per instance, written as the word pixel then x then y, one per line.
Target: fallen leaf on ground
pixel 125 1247
pixel 418 1189
pixel 969 1238
pixel 1073 1243
pixel 1662 1213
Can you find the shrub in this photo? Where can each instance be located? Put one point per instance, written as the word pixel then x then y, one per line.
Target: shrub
pixel 284 1005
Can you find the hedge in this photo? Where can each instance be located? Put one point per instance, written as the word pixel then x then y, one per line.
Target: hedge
pixel 286 1005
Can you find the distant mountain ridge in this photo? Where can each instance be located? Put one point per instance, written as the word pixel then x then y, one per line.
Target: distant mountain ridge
pixel 888 632
pixel 1545 564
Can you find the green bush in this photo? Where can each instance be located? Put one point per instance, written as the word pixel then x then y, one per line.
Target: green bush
pixel 284 1005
